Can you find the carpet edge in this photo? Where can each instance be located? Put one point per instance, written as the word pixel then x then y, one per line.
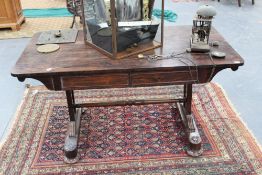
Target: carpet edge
pixel 238 115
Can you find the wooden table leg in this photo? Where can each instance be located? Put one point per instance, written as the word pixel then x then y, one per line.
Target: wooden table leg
pixel 71 141
pixel 195 141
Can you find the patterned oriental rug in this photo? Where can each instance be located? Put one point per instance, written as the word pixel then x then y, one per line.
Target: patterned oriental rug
pixel 139 139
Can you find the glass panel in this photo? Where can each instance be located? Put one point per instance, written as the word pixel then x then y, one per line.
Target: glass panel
pixel 134 21
pixel 128 10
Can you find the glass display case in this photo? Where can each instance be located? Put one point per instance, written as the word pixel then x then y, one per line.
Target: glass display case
pixel 121 28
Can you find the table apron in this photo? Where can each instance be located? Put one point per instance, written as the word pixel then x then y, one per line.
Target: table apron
pixel 131 79
pixel 121 80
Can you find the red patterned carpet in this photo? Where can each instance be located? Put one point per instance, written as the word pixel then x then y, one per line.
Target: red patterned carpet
pixel 142 139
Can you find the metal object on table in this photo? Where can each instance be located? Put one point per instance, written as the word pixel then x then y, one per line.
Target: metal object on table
pixel 58 36
pixel 201 29
pixel 112 27
pixel 140 56
pixel 217 54
pixel 48 48
pixel 155 57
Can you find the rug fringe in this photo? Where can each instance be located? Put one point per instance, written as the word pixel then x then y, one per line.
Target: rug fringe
pixel 238 115
pixel 14 119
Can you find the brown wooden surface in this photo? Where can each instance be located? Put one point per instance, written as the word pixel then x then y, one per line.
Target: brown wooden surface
pixel 78 58
pixel 78 66
pixel 11 15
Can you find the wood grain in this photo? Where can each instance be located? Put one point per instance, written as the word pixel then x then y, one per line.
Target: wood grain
pixel 78 66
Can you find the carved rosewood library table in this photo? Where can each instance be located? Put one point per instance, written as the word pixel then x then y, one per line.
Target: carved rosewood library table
pixel 76 66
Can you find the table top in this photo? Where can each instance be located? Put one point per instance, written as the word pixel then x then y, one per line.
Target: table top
pixel 78 58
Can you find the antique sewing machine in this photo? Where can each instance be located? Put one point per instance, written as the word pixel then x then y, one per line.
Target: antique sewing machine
pixel 120 28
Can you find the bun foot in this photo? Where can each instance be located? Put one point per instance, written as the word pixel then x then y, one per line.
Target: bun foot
pixel 71 161
pixel 195 146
